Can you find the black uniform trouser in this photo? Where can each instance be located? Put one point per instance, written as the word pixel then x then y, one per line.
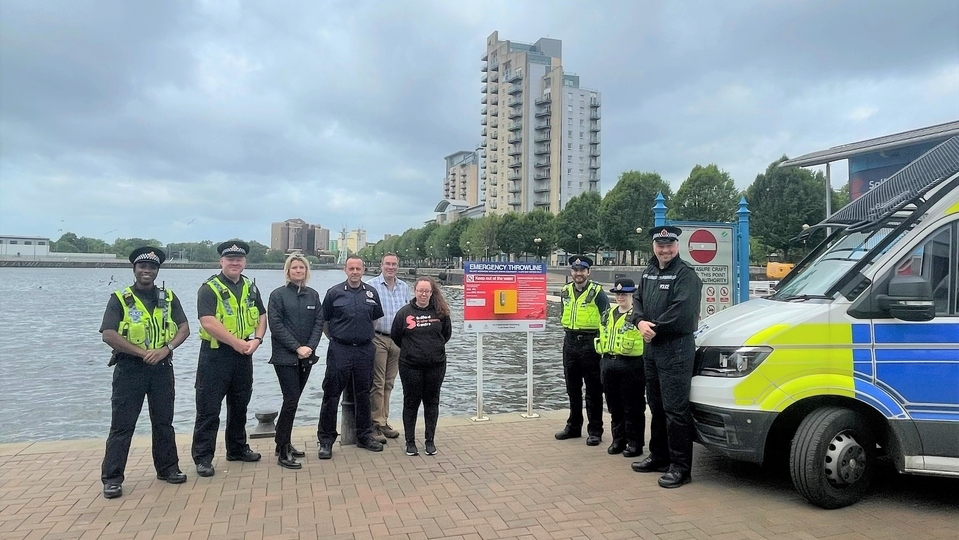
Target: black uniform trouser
pixel 669 374
pixel 347 364
pixel 132 381
pixel 581 365
pixel 624 382
pixel 220 373
pixel 421 384
pixel 292 381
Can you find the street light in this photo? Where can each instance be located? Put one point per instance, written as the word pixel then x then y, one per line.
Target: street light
pixel 469 250
pixel 537 241
pixel 639 232
pixel 579 236
pixel 449 256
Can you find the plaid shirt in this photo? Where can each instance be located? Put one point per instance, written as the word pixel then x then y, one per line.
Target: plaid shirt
pixel 391 301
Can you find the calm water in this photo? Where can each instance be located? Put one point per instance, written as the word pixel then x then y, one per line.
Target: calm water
pixel 54 383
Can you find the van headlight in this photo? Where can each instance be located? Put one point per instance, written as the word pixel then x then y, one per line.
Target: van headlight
pixel 729 361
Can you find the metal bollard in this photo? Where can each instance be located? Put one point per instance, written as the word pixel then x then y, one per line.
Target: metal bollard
pixel 265 428
pixel 348 418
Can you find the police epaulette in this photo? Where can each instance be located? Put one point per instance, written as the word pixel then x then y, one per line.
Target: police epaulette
pixel 128 298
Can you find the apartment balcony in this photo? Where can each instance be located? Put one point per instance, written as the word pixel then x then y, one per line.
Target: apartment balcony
pixel 483 175
pixel 483 120
pixel 594 115
pixel 594 126
pixel 483 99
pixel 541 163
pixel 594 138
pixel 541 200
pixel 544 111
pixel 540 187
pixel 483 78
pixel 514 76
pixel 493 158
pixel 494 134
pixel 485 57
pixel 515 138
pixel 483 110
pixel 515 102
pixel 544 100
pixel 493 88
pixel 515 150
pixel 514 200
pixel 541 149
pixel 515 126
pixel 493 192
pixel 593 151
pixel 483 132
pixel 483 164
pixel 491 203
pixel 515 89
pixel 493 146
pixel 494 99
pixel 594 176
pixel 541 175
pixel 493 181
pixel 514 187
pixel 494 111
pixel 482 143
pixel 514 175
pixel 484 68
pixel 594 102
pixel 515 163
pixel 593 163
pixel 493 76
pixel 542 124
pixel 541 137
pixel 483 89
pixel 494 122
pixel 493 169
pixel 494 65
pixel 515 113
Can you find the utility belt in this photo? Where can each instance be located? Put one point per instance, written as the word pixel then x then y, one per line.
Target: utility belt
pixel 582 335
pixel 118 357
pixel 351 343
pixel 608 356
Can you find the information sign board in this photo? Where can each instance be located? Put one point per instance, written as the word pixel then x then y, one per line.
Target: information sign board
pixel 504 296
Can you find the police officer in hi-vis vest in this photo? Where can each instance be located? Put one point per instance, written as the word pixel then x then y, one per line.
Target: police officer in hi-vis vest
pixel 232 325
pixel 621 371
pixel 583 302
pixel 143 324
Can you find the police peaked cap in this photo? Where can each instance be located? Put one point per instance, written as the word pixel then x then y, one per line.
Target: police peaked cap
pixel 148 254
pixel 233 248
pixel 623 285
pixel 581 261
pixel 665 233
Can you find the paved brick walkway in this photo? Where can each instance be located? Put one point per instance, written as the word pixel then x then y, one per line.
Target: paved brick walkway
pixel 506 478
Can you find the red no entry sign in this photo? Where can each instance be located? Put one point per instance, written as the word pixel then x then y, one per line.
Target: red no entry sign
pixel 702 246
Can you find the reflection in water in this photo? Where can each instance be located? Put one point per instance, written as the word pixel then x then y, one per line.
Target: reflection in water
pixel 54 382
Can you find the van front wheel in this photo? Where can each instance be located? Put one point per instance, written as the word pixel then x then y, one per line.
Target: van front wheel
pixel 832 457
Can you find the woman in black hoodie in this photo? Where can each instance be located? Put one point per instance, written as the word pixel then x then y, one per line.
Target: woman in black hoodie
pixel 421 330
pixel 296 324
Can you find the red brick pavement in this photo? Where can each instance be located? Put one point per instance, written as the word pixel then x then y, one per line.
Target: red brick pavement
pixel 507 478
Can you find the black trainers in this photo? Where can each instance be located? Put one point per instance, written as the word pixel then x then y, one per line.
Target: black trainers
pixel 430 448
pixel 411 449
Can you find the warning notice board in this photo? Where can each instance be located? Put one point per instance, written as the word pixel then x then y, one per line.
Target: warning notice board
pixel 710 250
pixel 504 297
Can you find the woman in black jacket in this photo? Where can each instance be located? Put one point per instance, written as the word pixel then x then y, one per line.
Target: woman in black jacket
pixel 296 324
pixel 421 330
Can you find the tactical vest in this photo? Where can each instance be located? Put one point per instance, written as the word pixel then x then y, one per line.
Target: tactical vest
pixel 144 329
pixel 239 316
pixel 619 337
pixel 581 313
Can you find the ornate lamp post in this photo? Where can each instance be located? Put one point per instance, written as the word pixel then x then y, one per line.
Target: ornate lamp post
pixel 639 232
pixel 537 241
pixel 579 236
pixel 469 250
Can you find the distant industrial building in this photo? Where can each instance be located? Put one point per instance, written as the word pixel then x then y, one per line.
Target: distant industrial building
pixel 298 235
pixel 24 246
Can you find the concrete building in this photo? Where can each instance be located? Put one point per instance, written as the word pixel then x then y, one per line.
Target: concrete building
pixel 540 129
pixel 298 235
pixel 462 178
pixel 24 246
pixel 355 240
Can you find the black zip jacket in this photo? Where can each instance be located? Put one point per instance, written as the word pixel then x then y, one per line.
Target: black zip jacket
pixel 669 298
pixel 421 334
pixel 296 320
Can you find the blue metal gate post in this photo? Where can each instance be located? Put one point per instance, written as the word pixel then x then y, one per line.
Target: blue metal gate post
pixel 659 210
pixel 743 255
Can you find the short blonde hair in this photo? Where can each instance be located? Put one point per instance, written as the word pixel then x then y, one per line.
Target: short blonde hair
pixel 296 256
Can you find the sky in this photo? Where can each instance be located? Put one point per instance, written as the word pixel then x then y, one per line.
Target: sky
pixel 208 120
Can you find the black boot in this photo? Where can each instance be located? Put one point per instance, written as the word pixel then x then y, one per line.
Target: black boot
pixel 286 459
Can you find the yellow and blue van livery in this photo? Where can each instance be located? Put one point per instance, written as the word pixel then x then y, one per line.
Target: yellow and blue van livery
pixel 856 355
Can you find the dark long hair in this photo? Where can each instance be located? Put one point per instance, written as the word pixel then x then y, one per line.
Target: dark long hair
pixel 442 308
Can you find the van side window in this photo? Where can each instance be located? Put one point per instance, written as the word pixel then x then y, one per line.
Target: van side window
pixel 936 261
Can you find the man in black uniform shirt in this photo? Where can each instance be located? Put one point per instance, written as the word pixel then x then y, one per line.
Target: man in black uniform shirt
pixel 143 324
pixel 232 325
pixel 666 312
pixel 349 310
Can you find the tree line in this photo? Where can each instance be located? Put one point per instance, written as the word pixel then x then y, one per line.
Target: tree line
pixel 204 251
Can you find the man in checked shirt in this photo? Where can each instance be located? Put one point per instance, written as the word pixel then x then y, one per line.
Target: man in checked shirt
pixel 394 294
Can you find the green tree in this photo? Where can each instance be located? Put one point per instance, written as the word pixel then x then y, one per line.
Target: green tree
pixel 781 201
pixel 630 205
pixel 579 218
pixel 538 224
pixel 708 194
pixel 275 256
pixel 511 234
pixel 257 252
pixel 457 228
pixel 840 198
pixel 481 235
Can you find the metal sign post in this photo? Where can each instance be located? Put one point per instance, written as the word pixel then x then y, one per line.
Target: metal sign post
pixel 479 380
pixel 529 377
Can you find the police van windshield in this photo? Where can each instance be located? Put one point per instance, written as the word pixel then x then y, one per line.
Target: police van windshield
pixel 813 280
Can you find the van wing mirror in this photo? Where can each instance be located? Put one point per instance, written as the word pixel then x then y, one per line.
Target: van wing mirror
pixel 909 299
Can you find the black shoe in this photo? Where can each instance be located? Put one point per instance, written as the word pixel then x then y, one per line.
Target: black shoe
pixel 650 465
pixel 411 449
pixel 632 451
pixel 286 459
pixel 594 440
pixel 205 469
pixel 372 445
pixel 430 448
pixel 568 433
pixel 247 455
pixel 293 452
pixel 112 491
pixel 616 448
pixel 674 479
pixel 175 477
pixel 325 451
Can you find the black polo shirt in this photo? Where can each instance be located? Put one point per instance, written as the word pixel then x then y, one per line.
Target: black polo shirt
pixel 350 312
